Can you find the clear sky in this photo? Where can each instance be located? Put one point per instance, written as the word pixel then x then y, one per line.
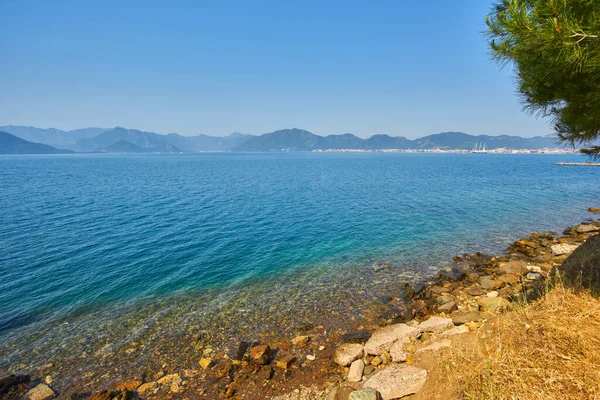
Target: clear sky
pixel 408 68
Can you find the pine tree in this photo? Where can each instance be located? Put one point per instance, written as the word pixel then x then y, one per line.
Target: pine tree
pixel 554 46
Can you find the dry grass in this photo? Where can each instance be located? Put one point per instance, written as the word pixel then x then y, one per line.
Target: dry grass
pixel 547 350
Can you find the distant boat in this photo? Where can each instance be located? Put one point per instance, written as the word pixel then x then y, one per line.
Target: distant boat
pixel 478 149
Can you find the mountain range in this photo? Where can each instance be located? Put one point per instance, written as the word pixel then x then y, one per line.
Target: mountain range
pixel 10 144
pixel 122 140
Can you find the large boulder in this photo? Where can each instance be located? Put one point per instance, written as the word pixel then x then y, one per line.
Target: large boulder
pixel 347 353
pixel 397 381
pixel 383 338
pixel 582 268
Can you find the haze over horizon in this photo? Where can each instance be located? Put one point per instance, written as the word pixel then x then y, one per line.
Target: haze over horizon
pixel 342 67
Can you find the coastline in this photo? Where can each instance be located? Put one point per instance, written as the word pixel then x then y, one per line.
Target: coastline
pixel 304 359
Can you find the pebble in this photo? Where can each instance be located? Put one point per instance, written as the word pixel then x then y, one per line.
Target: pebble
pixel 356 371
pixel 310 357
pixel 41 392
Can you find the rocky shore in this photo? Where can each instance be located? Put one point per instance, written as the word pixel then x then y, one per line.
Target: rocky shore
pixel 386 357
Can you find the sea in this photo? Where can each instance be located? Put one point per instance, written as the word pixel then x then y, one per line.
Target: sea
pixel 112 259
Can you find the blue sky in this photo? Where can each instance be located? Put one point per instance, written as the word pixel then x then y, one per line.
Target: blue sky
pixel 216 67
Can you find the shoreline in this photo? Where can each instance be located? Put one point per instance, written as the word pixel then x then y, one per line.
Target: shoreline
pixel 305 360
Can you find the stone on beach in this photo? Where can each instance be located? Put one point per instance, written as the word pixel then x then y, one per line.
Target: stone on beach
pixel 397 352
pixel 364 394
pixel 129 385
pixel 471 316
pixel 383 338
pixel 40 392
pixel 300 341
pixel 205 363
pixel 260 354
pixel 586 228
pixel 435 324
pixel 563 248
pixel 443 344
pixel 497 304
pixel 397 381
pixel 286 362
pixel 149 387
pixel 457 330
pixel 447 307
pixel 348 352
pixel 356 371
pixel 169 379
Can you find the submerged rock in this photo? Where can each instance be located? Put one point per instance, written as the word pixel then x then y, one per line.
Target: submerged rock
pixel 260 354
pixel 13 385
pixel 40 392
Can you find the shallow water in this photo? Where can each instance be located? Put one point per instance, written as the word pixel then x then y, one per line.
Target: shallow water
pixel 101 251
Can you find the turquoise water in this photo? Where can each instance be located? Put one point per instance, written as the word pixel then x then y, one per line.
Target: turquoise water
pixel 100 235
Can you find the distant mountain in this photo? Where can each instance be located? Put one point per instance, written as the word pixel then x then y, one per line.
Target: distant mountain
pixel 10 144
pixel 459 140
pixel 123 146
pixel 52 137
pixel 148 141
pixel 97 139
pixel 286 139
pixel 301 140
pixel 100 139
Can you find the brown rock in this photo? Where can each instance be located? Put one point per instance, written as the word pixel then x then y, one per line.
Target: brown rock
pixel 13 386
pixel 300 341
pixel 594 209
pixel 468 317
pixel 129 385
pixel 286 362
pixel 476 291
pixel 260 354
pixel 509 279
pixel 103 395
pixel 447 308
pixel 489 283
pixel 149 387
pixel 40 392
pixel 497 304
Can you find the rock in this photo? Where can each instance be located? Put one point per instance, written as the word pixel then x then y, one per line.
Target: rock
pixel 125 395
pixel 534 276
pixel 169 379
pixel 129 385
pixel 563 248
pixel 265 372
pixel 594 209
pixel 40 392
pixel 582 268
pixel 447 308
pixel 286 362
pixel 365 394
pixel 260 354
pixel 586 228
pixel 509 279
pixel 476 291
pixel 443 300
pixel 494 305
pixel 356 337
pixel 300 341
pixel 490 283
pixel 492 295
pixel 435 324
pixel 397 381
pixel 397 352
pixel 310 357
pixel 356 371
pixel 205 362
pixel 386 358
pixel 13 386
pixel 240 351
pixel 471 316
pixel 231 389
pixel 103 395
pixel 383 338
pixel 457 330
pixel 149 387
pixel 376 361
pixel 514 267
pixel 444 344
pixel 534 268
pixel 348 352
